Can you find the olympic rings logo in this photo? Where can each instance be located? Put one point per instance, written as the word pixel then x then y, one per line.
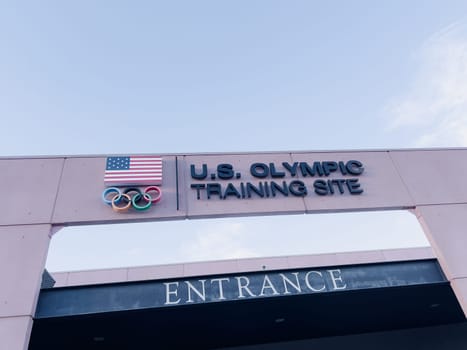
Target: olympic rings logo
pixel 131 198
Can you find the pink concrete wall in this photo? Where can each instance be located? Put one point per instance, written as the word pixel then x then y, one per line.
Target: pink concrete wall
pixel 23 252
pixel 67 190
pixel 41 192
pixel 29 188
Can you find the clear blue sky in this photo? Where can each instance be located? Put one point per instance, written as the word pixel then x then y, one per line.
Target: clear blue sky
pixel 114 77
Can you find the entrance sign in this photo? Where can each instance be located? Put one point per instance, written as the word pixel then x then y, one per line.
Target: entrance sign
pixel 71 301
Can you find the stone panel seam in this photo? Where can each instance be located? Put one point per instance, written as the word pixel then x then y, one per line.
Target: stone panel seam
pixel 458 278
pixel 183 172
pixel 26 224
pixel 437 252
pixel 16 316
pixel 401 178
pixel 183 192
pixel 305 209
pixel 440 204
pixel 57 191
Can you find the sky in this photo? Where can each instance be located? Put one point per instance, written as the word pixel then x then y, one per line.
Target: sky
pixel 153 77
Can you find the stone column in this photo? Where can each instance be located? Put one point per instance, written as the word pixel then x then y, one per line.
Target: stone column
pixel 23 253
pixel 446 228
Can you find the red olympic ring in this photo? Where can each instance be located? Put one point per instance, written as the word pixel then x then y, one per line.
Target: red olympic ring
pixel 154 189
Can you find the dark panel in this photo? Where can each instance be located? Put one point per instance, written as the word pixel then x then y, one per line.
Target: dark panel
pixel 444 337
pixel 254 321
pixel 82 300
pixel 47 280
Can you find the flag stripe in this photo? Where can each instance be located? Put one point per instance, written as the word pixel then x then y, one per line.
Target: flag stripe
pixel 142 171
pixel 149 175
pixel 133 180
pixel 146 163
pixel 132 177
pixel 146 158
pixel 143 167
pixel 133 167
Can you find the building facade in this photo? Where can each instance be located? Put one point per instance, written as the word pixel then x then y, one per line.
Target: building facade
pixel 44 194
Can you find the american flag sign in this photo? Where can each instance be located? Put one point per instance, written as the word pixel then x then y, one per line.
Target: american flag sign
pixel 133 171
